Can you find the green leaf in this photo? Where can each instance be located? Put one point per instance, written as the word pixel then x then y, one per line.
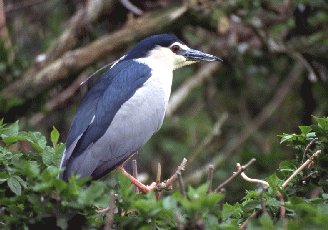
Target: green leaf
pixel 322 122
pixel 3 177
pixel 21 181
pixel 273 182
pixel 266 221
pixel 231 211
pixel 47 156
pixel 10 134
pixel 15 186
pixel 11 131
pixel 88 196
pixel 54 136
pixel 37 140
pixel 60 185
pixel 325 196
pixel 305 129
pixel 58 154
pixel 286 137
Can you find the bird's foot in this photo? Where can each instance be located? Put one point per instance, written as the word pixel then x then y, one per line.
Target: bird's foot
pixel 143 188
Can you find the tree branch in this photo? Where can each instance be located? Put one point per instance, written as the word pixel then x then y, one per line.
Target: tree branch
pixel 33 83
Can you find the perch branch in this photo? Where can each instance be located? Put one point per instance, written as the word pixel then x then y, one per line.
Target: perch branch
pixel 168 183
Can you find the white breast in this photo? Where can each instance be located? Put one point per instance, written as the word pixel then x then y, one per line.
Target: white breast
pixel 161 63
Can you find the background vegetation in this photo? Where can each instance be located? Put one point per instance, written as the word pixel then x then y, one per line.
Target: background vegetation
pixel 274 77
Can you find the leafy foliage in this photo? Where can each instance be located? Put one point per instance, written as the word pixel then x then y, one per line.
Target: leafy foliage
pixel 31 195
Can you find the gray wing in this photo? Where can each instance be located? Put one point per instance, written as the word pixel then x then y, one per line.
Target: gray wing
pixel 132 126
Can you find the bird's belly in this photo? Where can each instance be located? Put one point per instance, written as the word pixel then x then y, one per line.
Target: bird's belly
pixel 135 122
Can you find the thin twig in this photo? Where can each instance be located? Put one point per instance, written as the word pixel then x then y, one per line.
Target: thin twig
pixel 240 170
pixel 110 217
pixel 308 176
pixel 262 201
pixel 181 184
pixel 244 225
pixel 159 173
pixel 210 178
pixel 222 191
pixel 282 207
pixel 127 4
pixel 311 159
pixel 158 179
pixel 168 183
pixel 307 148
pixel 257 181
pixel 135 174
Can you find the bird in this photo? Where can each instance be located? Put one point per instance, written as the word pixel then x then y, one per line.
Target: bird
pixel 125 107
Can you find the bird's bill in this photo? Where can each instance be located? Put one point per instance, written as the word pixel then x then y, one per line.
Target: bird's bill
pixel 195 55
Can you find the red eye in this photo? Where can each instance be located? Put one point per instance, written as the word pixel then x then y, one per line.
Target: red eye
pixel 175 48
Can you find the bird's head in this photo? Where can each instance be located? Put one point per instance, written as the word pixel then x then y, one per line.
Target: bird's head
pixel 169 50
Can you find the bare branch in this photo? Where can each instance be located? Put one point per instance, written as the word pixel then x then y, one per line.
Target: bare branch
pixel 168 183
pixel 158 179
pixel 244 225
pixel 135 174
pixel 131 7
pixel 32 83
pixel 181 184
pixel 110 217
pixel 308 146
pixel 222 191
pixel 257 181
pixel 310 160
pixel 262 201
pixel 282 207
pixel 240 170
pixel 210 178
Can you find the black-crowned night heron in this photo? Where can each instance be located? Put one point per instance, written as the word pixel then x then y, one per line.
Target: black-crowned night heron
pixel 125 107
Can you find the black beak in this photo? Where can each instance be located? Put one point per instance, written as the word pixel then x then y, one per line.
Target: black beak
pixel 195 55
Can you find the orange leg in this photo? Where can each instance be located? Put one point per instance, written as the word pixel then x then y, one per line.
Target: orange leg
pixel 143 188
